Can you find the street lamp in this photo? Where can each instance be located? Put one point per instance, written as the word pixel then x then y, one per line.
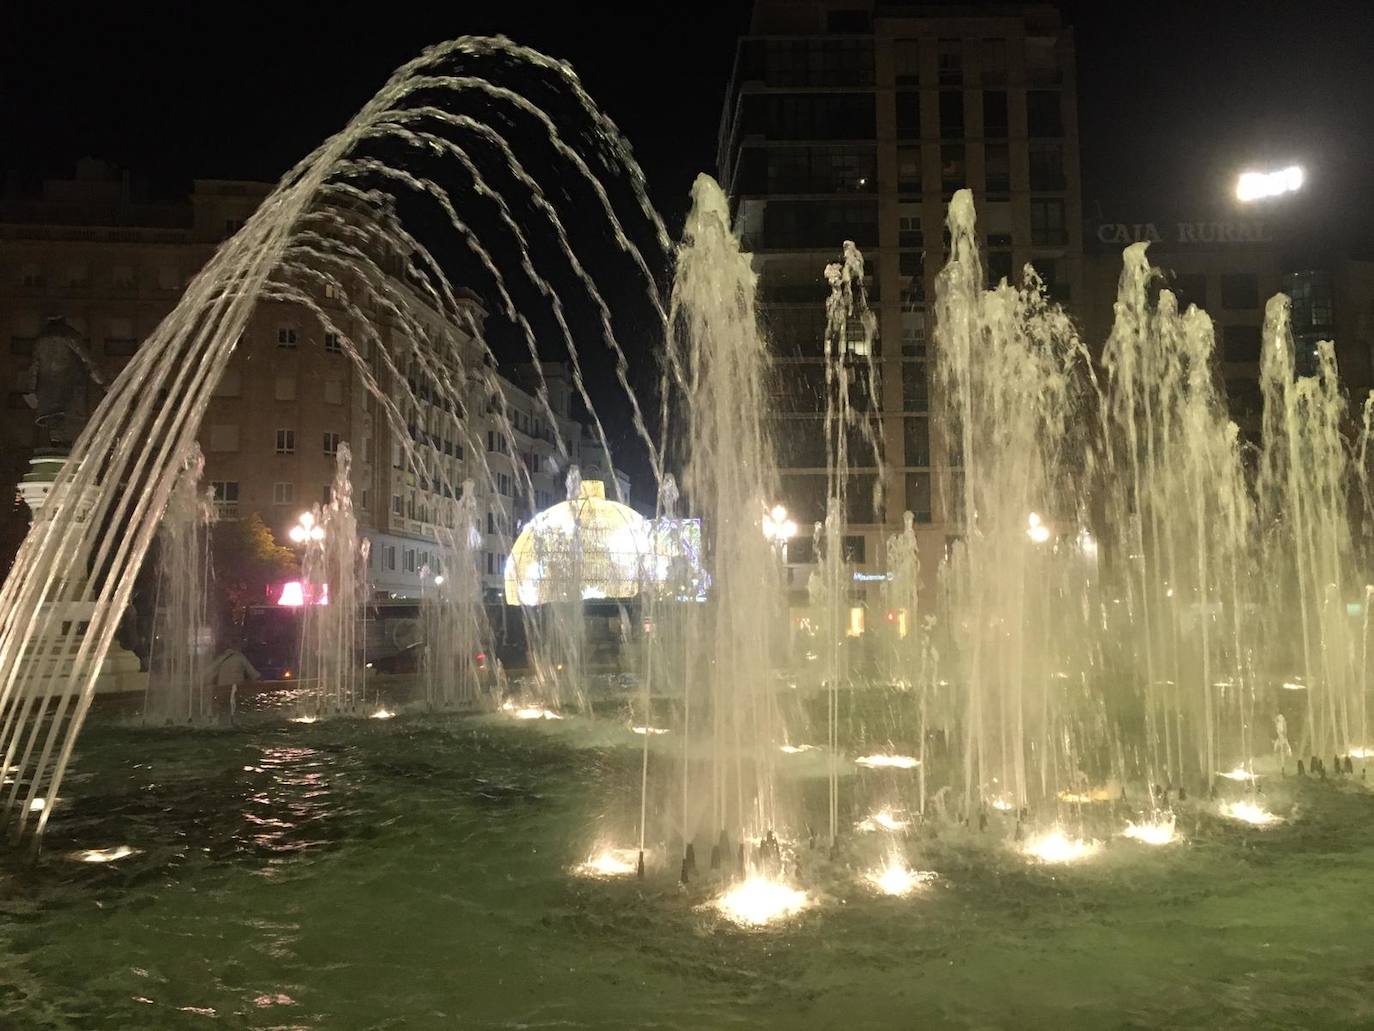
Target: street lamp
pixel 306 529
pixel 1253 186
pixel 778 529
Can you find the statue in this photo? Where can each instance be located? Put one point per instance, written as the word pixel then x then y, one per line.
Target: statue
pixel 61 370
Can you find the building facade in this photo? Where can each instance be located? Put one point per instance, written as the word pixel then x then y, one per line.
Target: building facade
pixel 858 121
pixel 98 253
pixel 1229 263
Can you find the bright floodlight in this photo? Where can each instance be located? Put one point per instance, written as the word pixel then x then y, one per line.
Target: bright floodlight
pixel 1253 186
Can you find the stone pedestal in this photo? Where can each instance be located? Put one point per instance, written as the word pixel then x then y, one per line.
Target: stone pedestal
pixel 119 672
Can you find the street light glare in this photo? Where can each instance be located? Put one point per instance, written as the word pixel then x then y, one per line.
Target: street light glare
pixel 1259 185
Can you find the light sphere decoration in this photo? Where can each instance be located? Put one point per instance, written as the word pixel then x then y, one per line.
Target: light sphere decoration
pixel 589 544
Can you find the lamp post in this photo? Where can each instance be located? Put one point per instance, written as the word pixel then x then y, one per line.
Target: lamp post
pixel 307 528
pixel 778 529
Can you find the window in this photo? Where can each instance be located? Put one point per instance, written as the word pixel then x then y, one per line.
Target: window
pixel 847 21
pixel 286 442
pixel 1190 288
pixel 31 275
pixel 909 263
pixel 951 62
pixel 333 391
pixel 396 504
pixel 503 484
pixel 1244 398
pixel 363 498
pixel 1044 116
pixel 909 230
pixel 226 497
pixel 332 343
pixel 1239 291
pixel 331 444
pixel 1042 64
pixel 1241 343
pixel 915 389
pixel 908 114
pixel 997 168
pixel 995 121
pixel 326 495
pixel 1310 292
pixel 231 383
pixel 332 292
pixel 913 335
pixel 951 115
pixel 285 388
pixel 391 557
pixel 908 170
pixel 852 548
pixel 906 61
pixel 1047 165
pixel 491 521
pixel 223 437
pixel 916 441
pixel 286 336
pixel 1047 222
pixel 283 493
pixel 918 496
pixel 994 62
pixel 953 172
pixel 809 116
pixel 410 560
pixel 122 277
pixel 999 266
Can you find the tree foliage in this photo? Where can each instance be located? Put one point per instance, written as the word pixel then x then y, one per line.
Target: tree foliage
pixel 246 558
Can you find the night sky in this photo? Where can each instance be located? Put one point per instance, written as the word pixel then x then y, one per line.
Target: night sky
pixel 1174 97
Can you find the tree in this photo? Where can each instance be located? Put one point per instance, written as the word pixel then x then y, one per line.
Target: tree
pixel 246 557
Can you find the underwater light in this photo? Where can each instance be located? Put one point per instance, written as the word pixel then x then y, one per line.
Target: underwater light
pixel 650 730
pixel 104 855
pixel 758 901
pixel 1249 812
pixel 883 819
pixel 529 712
pixel 1056 847
pixel 1002 805
pixel 797 749
pixel 1157 831
pixel 609 862
pixel 897 879
pixel 305 719
pixel 1239 773
pixel 893 762
pixel 382 713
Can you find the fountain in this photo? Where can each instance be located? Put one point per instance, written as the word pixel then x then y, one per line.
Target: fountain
pixel 1123 607
pixel 179 689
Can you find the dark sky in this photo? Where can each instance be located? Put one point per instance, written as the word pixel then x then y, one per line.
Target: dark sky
pixel 1175 97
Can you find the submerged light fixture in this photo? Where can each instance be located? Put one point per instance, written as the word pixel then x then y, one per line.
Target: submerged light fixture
pixel 759 901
